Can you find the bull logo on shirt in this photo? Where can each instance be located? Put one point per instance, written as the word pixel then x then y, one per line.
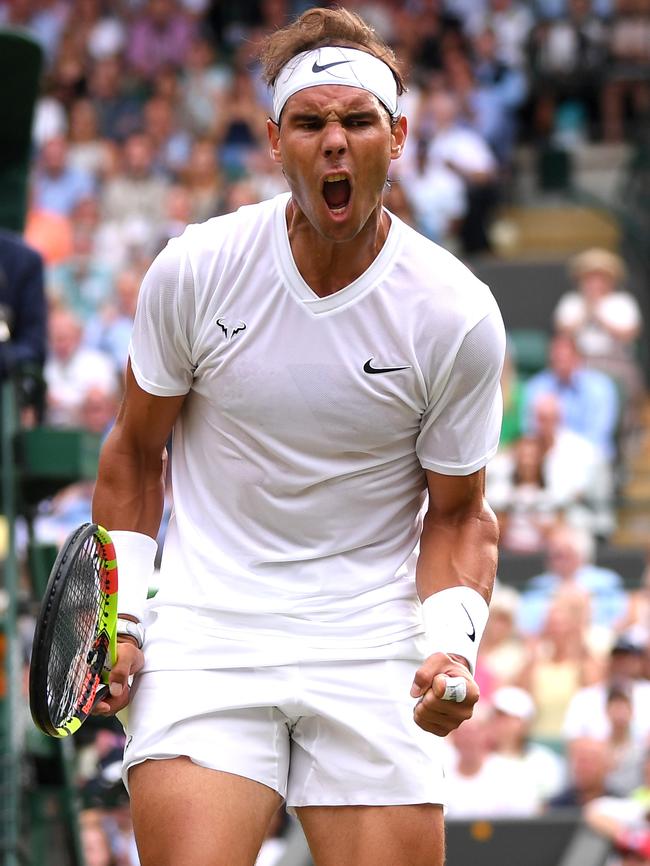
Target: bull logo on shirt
pixel 231 327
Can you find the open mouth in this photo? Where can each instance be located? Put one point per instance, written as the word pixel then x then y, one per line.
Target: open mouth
pixel 336 192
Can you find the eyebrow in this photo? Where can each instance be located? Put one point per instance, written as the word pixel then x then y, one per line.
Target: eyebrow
pixel 350 114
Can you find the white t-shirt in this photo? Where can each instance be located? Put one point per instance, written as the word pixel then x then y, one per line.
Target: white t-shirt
pixel 586 714
pixel 297 457
pixel 69 381
pixel 502 788
pixel 618 310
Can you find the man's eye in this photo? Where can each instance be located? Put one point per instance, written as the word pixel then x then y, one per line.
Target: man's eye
pixel 358 122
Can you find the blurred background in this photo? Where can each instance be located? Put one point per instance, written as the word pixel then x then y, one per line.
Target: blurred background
pixel 529 157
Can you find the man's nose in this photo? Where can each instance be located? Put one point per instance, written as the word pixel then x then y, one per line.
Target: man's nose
pixel 334 140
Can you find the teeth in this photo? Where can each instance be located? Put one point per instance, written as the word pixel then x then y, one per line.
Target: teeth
pixel 334 177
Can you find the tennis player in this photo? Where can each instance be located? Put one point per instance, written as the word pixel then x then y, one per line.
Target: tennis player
pixel 331 378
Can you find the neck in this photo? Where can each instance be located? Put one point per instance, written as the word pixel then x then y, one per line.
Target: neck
pixel 328 266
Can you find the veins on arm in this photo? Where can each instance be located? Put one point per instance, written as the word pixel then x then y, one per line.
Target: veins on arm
pixel 458 545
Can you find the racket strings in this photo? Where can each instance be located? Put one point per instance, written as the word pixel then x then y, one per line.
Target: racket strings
pixel 76 656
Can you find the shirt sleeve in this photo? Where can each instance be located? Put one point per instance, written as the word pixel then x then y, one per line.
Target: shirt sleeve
pixel 161 341
pixel 460 431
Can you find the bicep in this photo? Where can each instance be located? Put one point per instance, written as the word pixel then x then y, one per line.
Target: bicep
pixel 455 496
pixel 145 421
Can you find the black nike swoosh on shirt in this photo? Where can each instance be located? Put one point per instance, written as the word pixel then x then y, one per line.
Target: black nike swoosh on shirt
pixel 317 68
pixel 471 636
pixel 369 369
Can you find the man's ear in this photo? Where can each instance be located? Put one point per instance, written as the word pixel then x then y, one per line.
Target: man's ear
pixel 273 131
pixel 398 137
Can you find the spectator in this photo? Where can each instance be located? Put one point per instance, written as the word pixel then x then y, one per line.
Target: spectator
pixel 567 58
pixel 587 712
pixel 569 562
pixel 46 21
pixel 480 784
pixel 238 194
pixel 118 109
pixel 49 233
pixel 136 192
pixel 22 324
pixel 588 398
pixel 204 83
pixel 560 660
pixel 626 76
pixel 178 213
pixel 626 753
pixel 578 476
pixel 460 160
pixel 511 21
pixel 606 322
pixel 109 329
pixel 502 657
pixel 170 143
pixel 81 282
pixel 240 125
pixel 159 36
pixel 266 175
pixel 56 185
pixel 589 764
pixel 466 153
pixel 436 196
pixel 397 202
pixel 517 491
pixel 87 150
pixel 495 93
pixel 71 369
pixel 201 176
pixel 510 726
pixel 626 820
pixel 628 832
pixel 22 306
pixel 95 842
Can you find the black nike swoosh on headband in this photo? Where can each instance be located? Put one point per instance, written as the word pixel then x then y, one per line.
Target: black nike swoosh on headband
pixel 317 68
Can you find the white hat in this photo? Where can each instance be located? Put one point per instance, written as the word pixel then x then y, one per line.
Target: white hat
pixel 514 701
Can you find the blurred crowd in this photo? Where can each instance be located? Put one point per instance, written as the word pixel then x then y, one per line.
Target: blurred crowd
pixel 153 115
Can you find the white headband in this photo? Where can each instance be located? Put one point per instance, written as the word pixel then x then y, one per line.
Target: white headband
pixel 335 64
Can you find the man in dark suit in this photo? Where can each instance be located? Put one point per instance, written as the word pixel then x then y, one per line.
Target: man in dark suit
pixel 23 318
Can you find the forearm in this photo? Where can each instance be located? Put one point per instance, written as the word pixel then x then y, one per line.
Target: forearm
pixel 130 488
pixel 458 549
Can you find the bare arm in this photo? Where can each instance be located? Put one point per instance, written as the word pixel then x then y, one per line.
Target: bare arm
pixel 129 494
pixel 458 547
pixel 130 483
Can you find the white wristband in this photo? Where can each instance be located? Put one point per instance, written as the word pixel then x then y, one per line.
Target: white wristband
pixel 454 622
pixel 135 554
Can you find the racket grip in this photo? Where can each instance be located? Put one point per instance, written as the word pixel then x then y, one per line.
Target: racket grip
pixel 455 690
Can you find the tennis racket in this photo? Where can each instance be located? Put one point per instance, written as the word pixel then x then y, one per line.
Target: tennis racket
pixel 74 643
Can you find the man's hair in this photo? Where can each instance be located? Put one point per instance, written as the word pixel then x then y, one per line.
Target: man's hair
pixel 317 28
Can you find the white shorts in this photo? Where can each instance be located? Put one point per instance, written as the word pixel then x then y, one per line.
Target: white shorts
pixel 320 734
